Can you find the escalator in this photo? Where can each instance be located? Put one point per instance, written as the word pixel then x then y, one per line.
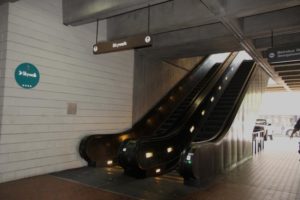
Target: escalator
pixel 216 126
pixel 102 150
pixel 157 155
pixel 216 120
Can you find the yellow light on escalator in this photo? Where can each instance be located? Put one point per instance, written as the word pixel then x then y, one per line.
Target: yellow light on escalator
pixel 158 170
pixel 212 99
pixel 124 137
pixel 149 155
pixel 188 158
pixel 192 129
pixel 169 149
pixel 109 162
pixel 150 121
pixel 160 109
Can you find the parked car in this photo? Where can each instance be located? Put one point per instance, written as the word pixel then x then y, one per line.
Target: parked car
pixel 264 125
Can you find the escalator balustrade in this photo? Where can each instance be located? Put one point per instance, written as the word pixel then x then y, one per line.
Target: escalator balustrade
pixel 216 125
pixel 102 150
pixel 157 155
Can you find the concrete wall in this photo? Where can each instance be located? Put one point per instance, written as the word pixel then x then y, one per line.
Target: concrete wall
pixel 3 39
pixel 37 134
pixel 154 78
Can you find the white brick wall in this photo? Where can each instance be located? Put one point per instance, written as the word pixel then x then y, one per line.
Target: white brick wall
pixel 37 136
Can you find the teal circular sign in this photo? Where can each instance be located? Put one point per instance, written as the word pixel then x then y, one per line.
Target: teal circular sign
pixel 27 75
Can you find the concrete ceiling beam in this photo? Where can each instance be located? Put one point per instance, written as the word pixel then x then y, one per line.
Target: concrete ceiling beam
pixel 236 26
pixel 277 40
pixel 78 12
pixel 165 17
pixel 242 8
pixel 276 21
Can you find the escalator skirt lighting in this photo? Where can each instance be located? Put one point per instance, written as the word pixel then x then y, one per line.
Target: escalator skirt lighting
pixel 149 121
pixel 192 129
pixel 110 162
pixel 203 112
pixel 149 155
pixel 169 149
pixel 124 149
pixel 160 109
pixel 220 88
pixel 158 170
pixel 212 99
pixel 226 78
pixel 123 138
pixel 189 157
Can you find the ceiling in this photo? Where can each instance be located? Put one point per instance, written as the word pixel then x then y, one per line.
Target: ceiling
pixel 185 28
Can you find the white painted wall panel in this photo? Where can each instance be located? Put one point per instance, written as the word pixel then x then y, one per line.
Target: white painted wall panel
pixel 37 136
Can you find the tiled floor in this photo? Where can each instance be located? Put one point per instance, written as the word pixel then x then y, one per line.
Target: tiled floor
pixel 52 188
pixel 272 174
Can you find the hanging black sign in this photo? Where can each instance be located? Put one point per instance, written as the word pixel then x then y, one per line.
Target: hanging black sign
pixel 284 54
pixel 133 42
